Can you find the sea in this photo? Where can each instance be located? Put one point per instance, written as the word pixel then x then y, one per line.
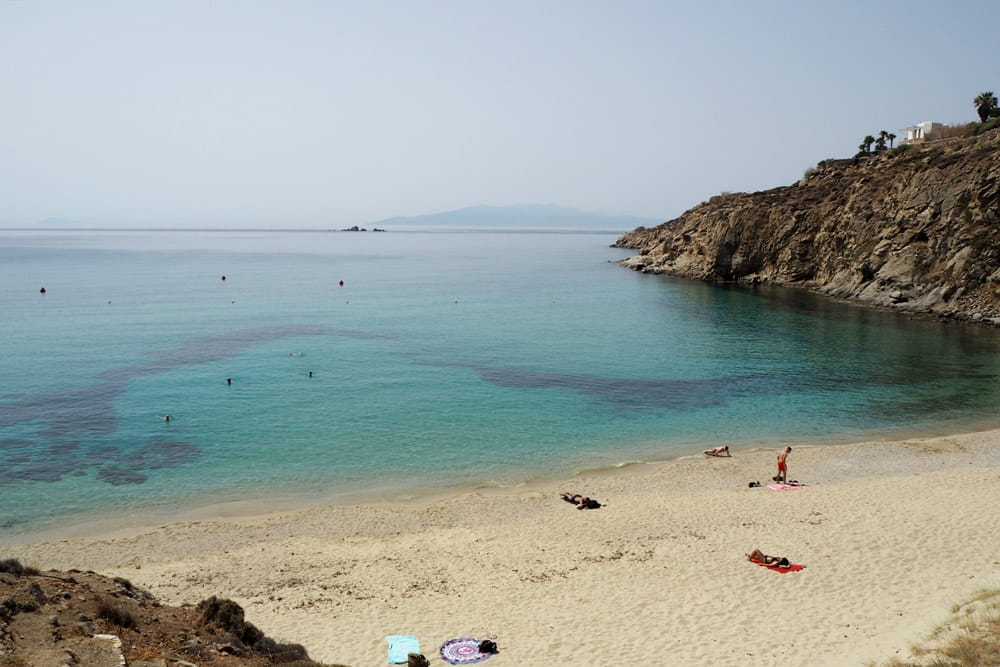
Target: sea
pixel 318 366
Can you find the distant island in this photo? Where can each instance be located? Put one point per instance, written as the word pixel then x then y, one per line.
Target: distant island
pixel 355 228
pixel 522 216
pixel 518 216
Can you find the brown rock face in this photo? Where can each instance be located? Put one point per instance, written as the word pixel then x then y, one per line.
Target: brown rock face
pixel 916 229
pixel 82 619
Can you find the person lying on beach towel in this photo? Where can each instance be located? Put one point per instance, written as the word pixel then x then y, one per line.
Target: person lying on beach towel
pixel 758 556
pixel 779 563
pixel 722 450
pixel 581 502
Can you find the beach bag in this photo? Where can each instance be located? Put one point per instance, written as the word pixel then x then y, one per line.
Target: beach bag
pixel 488 646
pixel 417 660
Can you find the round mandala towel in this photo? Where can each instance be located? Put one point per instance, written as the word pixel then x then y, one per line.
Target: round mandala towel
pixel 464 651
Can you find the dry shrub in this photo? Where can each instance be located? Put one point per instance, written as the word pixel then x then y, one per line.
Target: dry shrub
pixel 12 566
pixel 971 638
pixel 116 614
pixel 228 616
pixel 952 131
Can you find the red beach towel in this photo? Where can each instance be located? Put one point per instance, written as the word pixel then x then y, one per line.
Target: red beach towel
pixel 794 567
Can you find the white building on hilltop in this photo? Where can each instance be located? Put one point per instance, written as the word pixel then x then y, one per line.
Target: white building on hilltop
pixel 923 131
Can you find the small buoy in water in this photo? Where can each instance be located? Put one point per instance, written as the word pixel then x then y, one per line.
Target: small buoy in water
pixel 42 291
pixel 341 283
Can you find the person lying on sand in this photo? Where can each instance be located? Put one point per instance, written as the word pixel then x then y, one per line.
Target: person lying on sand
pixel 581 502
pixel 718 451
pixel 758 556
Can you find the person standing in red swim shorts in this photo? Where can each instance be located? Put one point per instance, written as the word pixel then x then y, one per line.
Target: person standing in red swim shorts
pixel 782 475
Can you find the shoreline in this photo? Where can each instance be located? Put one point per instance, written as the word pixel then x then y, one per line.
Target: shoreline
pixel 892 534
pixel 127 523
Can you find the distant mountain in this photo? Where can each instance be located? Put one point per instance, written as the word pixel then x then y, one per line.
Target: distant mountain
pixel 523 216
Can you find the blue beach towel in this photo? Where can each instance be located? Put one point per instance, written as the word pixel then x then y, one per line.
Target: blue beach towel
pixel 400 647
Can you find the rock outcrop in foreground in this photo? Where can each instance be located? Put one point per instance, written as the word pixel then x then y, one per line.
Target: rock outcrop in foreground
pixel 82 619
pixel 916 229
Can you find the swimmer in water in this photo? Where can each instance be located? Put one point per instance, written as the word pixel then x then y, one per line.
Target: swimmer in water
pixel 166 418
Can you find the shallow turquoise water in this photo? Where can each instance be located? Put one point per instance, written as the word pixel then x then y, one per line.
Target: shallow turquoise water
pixel 446 359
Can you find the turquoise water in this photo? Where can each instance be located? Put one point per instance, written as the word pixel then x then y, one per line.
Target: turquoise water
pixel 446 359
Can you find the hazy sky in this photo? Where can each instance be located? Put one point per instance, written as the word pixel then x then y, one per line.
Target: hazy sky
pixel 320 114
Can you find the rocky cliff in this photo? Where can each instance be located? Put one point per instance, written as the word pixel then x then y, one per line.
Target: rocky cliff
pixel 916 228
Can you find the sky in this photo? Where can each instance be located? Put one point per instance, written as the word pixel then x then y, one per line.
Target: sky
pixel 305 114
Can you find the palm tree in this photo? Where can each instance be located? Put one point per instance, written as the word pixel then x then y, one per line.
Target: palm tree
pixel 985 104
pixel 891 137
pixel 867 142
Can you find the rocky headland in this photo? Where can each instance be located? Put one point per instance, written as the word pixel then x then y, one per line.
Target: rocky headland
pixel 83 619
pixel 916 228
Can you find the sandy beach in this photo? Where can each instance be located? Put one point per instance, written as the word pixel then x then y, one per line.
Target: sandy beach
pixel 892 534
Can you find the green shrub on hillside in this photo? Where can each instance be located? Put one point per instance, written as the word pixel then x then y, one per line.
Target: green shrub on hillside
pixel 991 124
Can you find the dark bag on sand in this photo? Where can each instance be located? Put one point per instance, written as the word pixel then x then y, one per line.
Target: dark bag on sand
pixel 417 660
pixel 488 646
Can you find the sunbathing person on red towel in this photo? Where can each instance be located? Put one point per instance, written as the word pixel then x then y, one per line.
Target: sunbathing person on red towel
pixel 758 556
